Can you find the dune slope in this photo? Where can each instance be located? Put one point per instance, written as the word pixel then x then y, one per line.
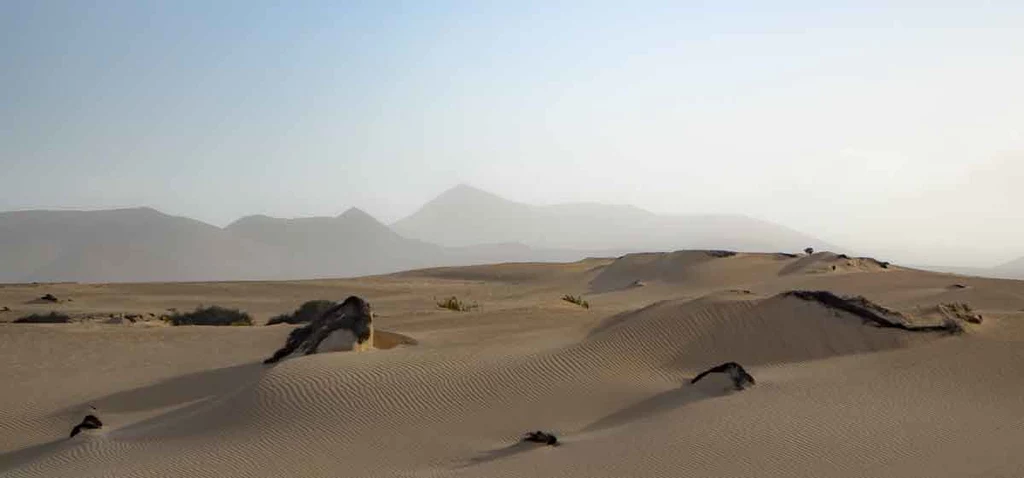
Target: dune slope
pixel 835 395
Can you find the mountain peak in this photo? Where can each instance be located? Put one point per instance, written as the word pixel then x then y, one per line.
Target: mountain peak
pixel 465 193
pixel 360 217
pixel 354 213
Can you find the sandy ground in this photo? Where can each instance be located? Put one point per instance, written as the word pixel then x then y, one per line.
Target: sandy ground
pixel 835 397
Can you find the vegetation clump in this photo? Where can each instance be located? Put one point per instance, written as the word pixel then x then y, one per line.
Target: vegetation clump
pixel 213 315
pixel 721 254
pixel 453 303
pixel 304 314
pixel 51 318
pixel 578 300
pixel 960 311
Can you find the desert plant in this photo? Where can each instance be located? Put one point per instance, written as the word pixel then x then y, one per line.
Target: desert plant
pixel 809 250
pixel 51 318
pixel 304 314
pixel 453 303
pixel 721 254
pixel 213 315
pixel 578 300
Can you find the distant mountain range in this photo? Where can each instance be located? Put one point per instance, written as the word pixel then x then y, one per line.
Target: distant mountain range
pixel 462 226
pixel 466 216
pixel 1010 270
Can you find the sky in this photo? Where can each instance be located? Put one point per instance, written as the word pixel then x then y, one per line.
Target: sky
pixel 894 128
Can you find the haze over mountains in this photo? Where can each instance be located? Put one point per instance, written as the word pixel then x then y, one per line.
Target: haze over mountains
pixel 462 226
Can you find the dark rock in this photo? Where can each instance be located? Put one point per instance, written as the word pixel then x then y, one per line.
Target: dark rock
pixel 345 326
pixel 740 377
pixel 958 286
pixel 90 422
pixel 49 298
pixel 5 309
pixel 541 437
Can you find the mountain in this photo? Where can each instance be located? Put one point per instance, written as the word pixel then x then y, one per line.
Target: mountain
pixel 1013 269
pixel 465 216
pixel 351 244
pixel 463 226
pixel 122 245
pixel 137 245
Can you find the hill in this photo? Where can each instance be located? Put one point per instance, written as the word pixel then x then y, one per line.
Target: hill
pixel 123 245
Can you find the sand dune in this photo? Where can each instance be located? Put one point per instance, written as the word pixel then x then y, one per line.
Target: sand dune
pixel 835 396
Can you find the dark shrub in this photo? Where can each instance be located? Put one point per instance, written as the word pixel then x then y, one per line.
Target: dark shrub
pixel 304 314
pixel 578 300
pixel 51 318
pixel 213 315
pixel 453 303
pixel 809 250
pixel 721 254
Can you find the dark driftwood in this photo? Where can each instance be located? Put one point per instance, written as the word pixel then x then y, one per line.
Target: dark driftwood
pixel 352 314
pixel 90 422
pixel 870 311
pixel 740 377
pixel 541 437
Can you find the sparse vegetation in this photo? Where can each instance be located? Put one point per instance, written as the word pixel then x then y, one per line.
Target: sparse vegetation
pixel 304 314
pixel 960 311
pixel 578 300
pixel 213 315
pixel 51 318
pixel 453 303
pixel 721 254
pixel 809 251
pixel 953 326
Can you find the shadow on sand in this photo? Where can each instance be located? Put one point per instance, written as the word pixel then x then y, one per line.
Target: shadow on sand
pixel 502 453
pixel 174 397
pixel 658 404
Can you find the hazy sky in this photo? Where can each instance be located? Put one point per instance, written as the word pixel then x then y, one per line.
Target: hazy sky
pixel 888 129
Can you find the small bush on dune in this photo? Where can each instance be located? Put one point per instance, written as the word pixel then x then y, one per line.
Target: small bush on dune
pixel 213 315
pixel 453 303
pixel 51 318
pixel 304 314
pixel 578 300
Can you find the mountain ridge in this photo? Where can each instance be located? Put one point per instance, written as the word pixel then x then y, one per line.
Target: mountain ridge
pixel 463 225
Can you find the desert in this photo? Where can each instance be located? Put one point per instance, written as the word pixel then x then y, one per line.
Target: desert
pixel 451 393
